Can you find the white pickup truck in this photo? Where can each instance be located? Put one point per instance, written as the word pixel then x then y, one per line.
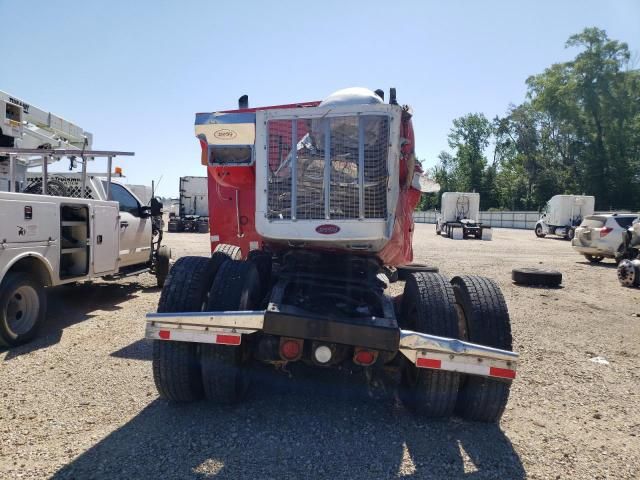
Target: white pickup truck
pixel 60 228
pixel 50 240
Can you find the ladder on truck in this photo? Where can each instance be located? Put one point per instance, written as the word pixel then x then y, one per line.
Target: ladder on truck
pixel 46 156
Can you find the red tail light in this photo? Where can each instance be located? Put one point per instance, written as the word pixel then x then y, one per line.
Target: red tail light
pixel 605 231
pixel 290 349
pixel 364 357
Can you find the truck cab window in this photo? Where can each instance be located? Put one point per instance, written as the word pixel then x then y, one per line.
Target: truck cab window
pixel 127 202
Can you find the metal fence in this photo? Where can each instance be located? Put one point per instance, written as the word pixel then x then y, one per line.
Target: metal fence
pixel 523 220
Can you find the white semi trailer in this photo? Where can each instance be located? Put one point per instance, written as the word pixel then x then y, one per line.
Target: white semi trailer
pixel 562 214
pixel 193 208
pixel 458 219
pixel 61 228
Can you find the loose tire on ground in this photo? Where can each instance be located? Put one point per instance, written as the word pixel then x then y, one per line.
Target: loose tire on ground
pixel 484 319
pixel 162 265
pixel 405 270
pixel 23 307
pixel 536 276
pixel 176 365
pixel 225 374
pixel 428 306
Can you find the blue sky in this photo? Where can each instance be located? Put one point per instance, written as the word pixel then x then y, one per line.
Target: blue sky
pixel 134 72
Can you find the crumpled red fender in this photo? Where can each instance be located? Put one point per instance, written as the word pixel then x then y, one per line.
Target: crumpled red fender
pixel 399 249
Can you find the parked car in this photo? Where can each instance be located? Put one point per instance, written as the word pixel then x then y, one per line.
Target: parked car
pixel 602 236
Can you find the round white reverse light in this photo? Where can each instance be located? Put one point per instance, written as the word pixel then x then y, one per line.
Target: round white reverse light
pixel 322 354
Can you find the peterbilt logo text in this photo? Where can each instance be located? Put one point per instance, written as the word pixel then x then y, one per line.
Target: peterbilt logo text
pixel 225 134
pixel 327 229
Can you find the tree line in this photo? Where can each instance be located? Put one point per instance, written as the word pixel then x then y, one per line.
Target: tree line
pixel 577 132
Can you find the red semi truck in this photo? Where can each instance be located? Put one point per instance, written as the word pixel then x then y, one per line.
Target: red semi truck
pixel 310 217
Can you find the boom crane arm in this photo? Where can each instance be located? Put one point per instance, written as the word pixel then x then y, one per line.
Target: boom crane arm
pixel 23 125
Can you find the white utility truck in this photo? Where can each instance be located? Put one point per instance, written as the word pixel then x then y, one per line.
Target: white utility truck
pixel 562 214
pixel 193 209
pixel 60 228
pixel 458 219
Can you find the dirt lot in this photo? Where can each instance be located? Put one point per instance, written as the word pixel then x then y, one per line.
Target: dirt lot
pixel 79 402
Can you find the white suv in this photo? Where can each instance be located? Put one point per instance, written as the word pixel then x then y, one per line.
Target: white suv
pixel 602 236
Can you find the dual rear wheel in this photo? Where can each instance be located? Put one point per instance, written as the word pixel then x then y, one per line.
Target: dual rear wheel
pixel 469 308
pixel 187 371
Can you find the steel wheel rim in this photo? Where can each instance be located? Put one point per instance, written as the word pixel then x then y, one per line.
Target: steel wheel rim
pixel 626 273
pixel 22 309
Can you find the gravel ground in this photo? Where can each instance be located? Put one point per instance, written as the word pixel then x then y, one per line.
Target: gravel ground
pixel 79 402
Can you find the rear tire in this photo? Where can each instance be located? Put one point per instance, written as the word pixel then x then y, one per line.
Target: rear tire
pixel 263 261
pixel 594 258
pixel 571 233
pixel 176 371
pixel 231 251
pixel 484 319
pixel 162 265
pixel 176 367
pixel 225 375
pixel 203 227
pixel 23 307
pixel 405 270
pixel 428 306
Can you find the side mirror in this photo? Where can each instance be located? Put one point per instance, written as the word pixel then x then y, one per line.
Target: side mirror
pixel 144 211
pixel 156 207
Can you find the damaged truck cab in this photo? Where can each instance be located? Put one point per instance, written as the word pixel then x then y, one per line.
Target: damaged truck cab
pixel 310 211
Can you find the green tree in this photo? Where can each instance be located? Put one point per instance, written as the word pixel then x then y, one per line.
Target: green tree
pixel 577 132
pixel 469 137
pixel 592 117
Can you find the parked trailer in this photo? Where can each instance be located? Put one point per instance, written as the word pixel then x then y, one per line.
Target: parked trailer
pixel 193 207
pixel 458 217
pixel 562 214
pixel 299 278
